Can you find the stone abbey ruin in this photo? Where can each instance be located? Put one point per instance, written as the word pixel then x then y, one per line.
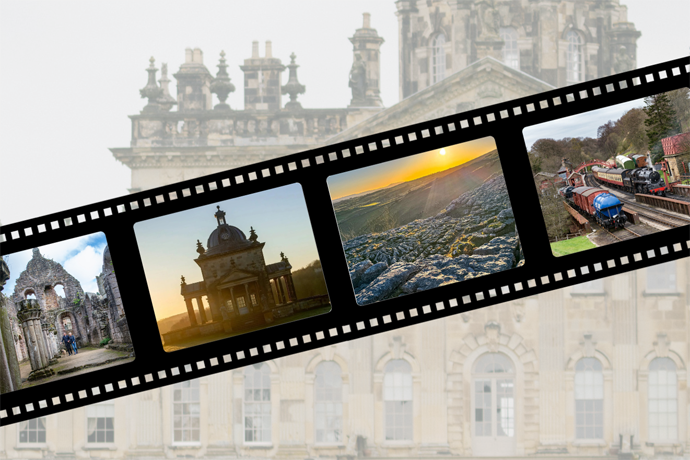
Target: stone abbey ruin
pixel 34 318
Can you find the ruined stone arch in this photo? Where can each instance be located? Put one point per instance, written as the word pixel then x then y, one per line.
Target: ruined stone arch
pixel 29 291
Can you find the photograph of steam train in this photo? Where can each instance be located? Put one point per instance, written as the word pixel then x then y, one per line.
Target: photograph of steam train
pixel 615 173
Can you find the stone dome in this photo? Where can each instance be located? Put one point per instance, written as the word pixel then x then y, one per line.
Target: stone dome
pixel 227 237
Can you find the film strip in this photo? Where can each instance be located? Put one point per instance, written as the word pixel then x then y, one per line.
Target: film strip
pixel 256 312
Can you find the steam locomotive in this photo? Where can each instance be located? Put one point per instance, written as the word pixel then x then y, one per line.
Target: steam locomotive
pixel 604 207
pixel 638 180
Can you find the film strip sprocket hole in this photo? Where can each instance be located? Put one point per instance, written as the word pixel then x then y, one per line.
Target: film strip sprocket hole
pixel 291 327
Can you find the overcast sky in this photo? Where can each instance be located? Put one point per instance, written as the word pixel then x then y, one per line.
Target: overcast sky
pixel 70 73
pixel 581 125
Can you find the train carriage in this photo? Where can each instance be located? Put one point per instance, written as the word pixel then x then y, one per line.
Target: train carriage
pixel 607 209
pixel 624 162
pixel 640 160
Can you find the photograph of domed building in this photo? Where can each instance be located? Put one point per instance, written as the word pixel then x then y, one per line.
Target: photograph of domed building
pixel 63 315
pixel 248 282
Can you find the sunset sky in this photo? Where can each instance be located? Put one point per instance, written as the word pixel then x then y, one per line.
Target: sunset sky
pixel 168 244
pixel 406 169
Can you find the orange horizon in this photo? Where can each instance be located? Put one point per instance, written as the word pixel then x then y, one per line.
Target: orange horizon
pixel 407 169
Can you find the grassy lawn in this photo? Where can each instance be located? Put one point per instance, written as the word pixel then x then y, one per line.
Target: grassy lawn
pixel 571 246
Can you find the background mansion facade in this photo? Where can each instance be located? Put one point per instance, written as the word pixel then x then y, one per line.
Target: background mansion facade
pixel 454 56
pixel 594 370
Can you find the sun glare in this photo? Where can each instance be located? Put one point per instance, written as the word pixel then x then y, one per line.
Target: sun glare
pixel 443 151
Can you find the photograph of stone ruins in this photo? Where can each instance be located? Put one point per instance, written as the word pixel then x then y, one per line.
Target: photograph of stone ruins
pixel 244 291
pixel 45 305
pixel 425 221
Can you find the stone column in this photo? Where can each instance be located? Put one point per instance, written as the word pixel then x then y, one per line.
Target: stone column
pixel 10 378
pixel 281 293
pixel 291 287
pixel 190 311
pixel 29 315
pixel 50 345
pixel 202 310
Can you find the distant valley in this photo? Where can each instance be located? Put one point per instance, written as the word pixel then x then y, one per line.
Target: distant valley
pixel 398 204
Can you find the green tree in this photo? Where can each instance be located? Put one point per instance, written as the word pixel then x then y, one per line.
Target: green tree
pixel 680 101
pixel 661 122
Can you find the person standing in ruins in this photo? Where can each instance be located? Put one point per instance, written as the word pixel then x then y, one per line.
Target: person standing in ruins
pixel 73 343
pixel 67 342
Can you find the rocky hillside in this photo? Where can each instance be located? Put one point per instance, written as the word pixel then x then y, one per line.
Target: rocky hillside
pixel 399 204
pixel 473 236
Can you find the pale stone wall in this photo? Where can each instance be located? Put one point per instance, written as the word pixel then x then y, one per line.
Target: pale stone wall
pixel 624 327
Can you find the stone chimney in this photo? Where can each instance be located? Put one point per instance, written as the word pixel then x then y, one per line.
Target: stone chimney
pixel 193 83
pixel 262 80
pixel 365 71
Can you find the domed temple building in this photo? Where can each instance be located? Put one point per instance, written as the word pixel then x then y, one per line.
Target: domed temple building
pixel 242 291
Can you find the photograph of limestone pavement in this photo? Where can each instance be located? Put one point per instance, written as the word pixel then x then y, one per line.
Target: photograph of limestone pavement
pixel 613 174
pixel 425 221
pixel 271 277
pixel 61 313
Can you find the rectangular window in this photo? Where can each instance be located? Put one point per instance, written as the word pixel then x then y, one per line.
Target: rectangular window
pixel 240 302
pixel 229 304
pixel 482 407
pixel 33 431
pixel 100 424
pixel 186 412
pixel 253 297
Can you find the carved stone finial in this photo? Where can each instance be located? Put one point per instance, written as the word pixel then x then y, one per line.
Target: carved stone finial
pixel 252 235
pixel 183 280
pixel 220 216
pixel 293 87
pixel 152 91
pixel 200 247
pixel 166 101
pixel 221 85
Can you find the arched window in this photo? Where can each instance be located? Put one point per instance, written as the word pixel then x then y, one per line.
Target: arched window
pixel 511 53
pixel 328 402
pixel 186 412
pixel 30 294
pixel 589 399
pixel 397 397
pixel 663 400
pixel 257 403
pixel 574 65
pixel 438 58
pixel 494 396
